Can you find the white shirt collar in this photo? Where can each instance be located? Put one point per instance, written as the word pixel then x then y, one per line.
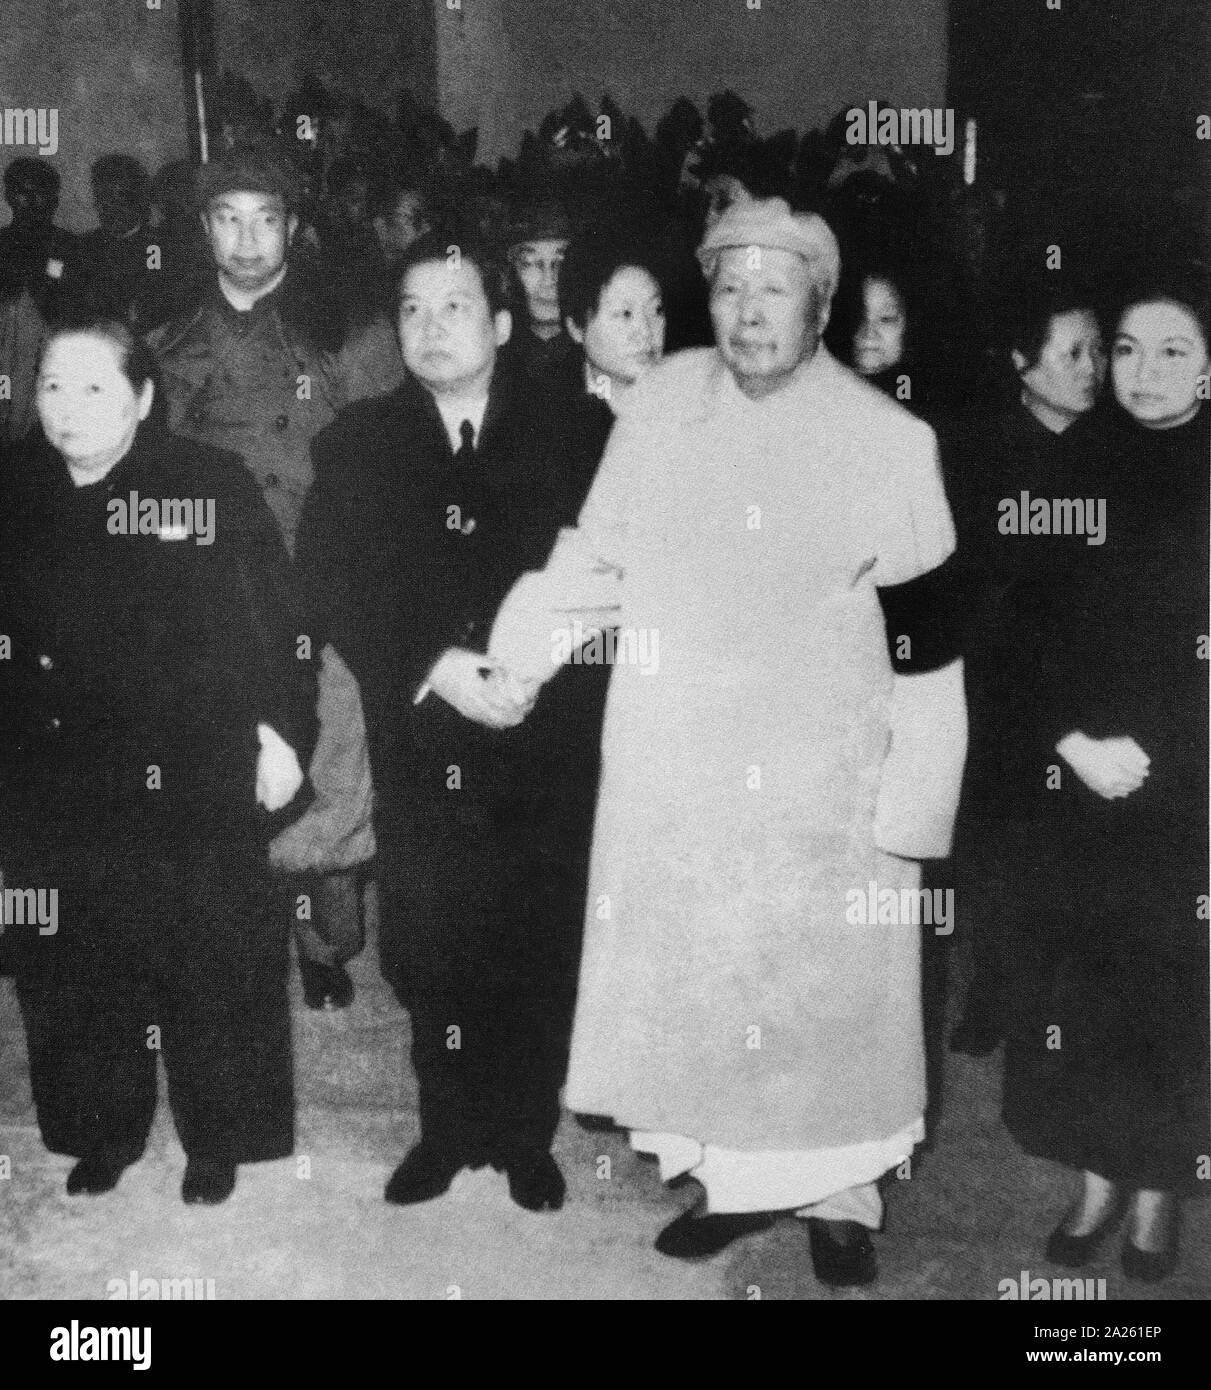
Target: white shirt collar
pixel 453 414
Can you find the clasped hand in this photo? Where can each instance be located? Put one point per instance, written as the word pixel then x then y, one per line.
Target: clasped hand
pixel 481 689
pixel 1111 767
pixel 278 774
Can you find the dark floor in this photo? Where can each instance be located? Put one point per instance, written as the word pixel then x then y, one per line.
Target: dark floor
pixel 315 1226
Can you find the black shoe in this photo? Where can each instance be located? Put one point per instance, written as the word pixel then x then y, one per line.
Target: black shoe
pixel 843 1255
pixel 535 1181
pixel 96 1173
pixel 425 1173
pixel 694 1237
pixel 207 1182
pixel 975 1039
pixel 1074 1251
pixel 325 986
pixel 1151 1266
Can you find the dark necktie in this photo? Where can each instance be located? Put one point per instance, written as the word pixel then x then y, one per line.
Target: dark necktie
pixel 464 455
pixel 467 475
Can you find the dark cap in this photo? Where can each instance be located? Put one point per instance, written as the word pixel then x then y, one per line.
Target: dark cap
pixel 545 220
pixel 250 169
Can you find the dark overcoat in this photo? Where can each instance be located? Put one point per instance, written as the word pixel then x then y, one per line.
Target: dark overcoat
pixel 405 556
pixel 1107 1066
pixel 137 669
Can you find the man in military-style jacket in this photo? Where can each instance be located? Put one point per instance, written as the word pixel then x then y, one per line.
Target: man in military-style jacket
pixel 260 367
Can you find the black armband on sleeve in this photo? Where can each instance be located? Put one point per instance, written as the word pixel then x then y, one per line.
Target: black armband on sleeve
pixel 925 619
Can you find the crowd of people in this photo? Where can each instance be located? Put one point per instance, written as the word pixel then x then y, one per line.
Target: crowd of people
pixel 455 457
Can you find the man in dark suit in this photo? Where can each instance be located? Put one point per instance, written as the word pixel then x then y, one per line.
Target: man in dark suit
pixel 427 505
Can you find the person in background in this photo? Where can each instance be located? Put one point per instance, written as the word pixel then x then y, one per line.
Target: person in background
pixel 1106 1067
pixel 187 262
pixel 259 368
pixel 877 329
pixel 612 304
pixel 35 254
pixel 349 242
pixel 1053 344
pixel 155 718
pixel 120 269
pixel 404 213
pixel 540 351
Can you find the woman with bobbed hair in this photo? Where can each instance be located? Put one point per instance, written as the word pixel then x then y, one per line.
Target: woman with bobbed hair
pixel 155 710
pixel 1054 358
pixel 612 300
pixel 1107 1065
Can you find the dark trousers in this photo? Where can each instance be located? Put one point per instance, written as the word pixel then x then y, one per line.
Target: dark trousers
pixel 483 907
pixel 151 956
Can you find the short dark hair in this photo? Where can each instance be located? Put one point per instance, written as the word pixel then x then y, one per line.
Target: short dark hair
pixel 439 245
pixel 122 171
pixel 35 172
pixel 591 262
pixel 135 358
pixel 1031 307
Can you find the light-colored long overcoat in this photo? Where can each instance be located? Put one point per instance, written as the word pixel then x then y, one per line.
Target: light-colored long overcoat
pixel 757 752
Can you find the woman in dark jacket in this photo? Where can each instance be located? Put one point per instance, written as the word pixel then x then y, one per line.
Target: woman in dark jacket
pixel 1054 346
pixel 1106 1069
pixel 152 646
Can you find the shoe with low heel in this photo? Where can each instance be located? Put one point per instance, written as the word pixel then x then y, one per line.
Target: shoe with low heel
pixel 1074 1251
pixel 97 1173
pixel 425 1173
pixel 535 1181
pixel 207 1182
pixel 843 1254
pixel 696 1236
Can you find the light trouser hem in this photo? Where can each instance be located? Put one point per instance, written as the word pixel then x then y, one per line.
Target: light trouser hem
pixel 809 1182
pixel 862 1204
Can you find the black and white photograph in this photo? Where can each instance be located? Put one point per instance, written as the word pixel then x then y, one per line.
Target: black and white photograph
pixel 604 662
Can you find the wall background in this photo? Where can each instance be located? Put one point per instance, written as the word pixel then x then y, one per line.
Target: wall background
pixel 112 67
pixel 112 71
pixel 502 64
pixel 370 49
